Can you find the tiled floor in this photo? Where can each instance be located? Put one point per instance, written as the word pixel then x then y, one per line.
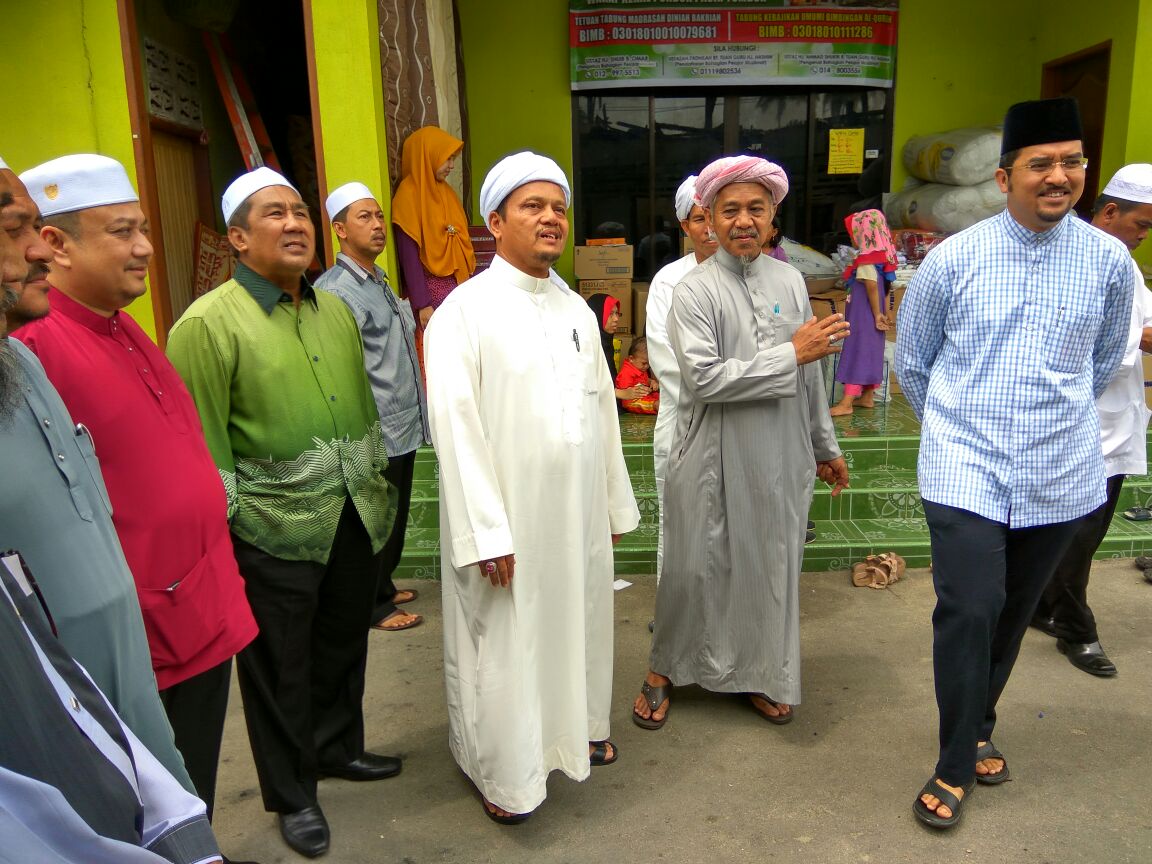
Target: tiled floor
pixel 880 511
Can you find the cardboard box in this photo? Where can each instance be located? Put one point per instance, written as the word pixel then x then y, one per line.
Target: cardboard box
pixel 818 285
pixel 686 245
pixel 1147 379
pixel 895 298
pixel 621 289
pixel 828 302
pixel 639 307
pixel 604 262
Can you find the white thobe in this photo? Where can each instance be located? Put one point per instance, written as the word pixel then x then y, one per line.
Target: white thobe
pixel 1122 407
pixel 523 417
pixel 663 362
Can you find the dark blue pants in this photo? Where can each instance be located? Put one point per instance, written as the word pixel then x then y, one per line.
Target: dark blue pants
pixel 988 579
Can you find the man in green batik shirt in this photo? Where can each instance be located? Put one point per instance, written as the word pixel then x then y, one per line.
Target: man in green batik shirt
pixel 277 373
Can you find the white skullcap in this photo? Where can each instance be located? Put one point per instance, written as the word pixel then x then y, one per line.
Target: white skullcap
pixel 512 172
pixel 686 197
pixel 78 182
pixel 1132 183
pixel 247 185
pixel 3 164
pixel 345 195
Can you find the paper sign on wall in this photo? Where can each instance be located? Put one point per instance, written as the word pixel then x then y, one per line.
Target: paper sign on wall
pixel 845 151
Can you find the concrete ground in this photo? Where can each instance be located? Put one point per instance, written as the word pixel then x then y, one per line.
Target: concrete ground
pixel 718 784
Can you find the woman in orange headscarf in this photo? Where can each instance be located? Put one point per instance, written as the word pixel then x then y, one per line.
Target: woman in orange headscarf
pixel 432 242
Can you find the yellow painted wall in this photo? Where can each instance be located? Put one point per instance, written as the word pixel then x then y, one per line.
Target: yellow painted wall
pixel 351 101
pixel 516 71
pixel 1106 20
pixel 71 96
pixel 959 67
pixel 1138 146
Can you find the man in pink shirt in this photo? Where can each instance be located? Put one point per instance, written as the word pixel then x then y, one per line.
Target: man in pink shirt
pixel 168 501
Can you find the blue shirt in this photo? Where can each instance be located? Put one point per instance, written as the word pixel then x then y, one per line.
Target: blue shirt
pixel 1005 338
pixel 389 333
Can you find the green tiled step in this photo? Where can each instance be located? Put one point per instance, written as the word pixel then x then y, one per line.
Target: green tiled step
pixel 880 511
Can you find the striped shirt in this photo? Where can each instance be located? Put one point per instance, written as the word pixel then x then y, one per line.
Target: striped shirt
pixel 1004 340
pixel 389 332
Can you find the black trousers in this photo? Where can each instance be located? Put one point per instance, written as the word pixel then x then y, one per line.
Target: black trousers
pixel 302 678
pixel 196 708
pixel 399 474
pixel 988 579
pixel 1066 598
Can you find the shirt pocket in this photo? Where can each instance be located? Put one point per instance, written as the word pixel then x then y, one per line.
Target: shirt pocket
pixel 185 617
pixel 87 448
pixel 1068 338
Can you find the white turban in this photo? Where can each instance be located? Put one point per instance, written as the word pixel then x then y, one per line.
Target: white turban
pixel 686 197
pixel 247 185
pixel 741 169
pixel 3 164
pixel 77 182
pixel 347 194
pixel 1132 183
pixel 512 172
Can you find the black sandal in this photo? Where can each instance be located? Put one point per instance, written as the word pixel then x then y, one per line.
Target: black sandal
pixel 778 719
pixel 946 799
pixel 655 697
pixel 599 755
pixel 510 819
pixel 988 750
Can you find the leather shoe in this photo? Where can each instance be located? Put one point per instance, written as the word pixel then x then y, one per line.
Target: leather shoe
pixel 367 766
pixel 1088 657
pixel 306 831
pixel 1044 625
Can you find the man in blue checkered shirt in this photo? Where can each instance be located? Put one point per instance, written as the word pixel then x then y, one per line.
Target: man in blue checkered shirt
pixel 1008 332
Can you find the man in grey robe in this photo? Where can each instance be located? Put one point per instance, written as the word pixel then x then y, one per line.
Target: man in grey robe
pixel 752 434
pixel 55 508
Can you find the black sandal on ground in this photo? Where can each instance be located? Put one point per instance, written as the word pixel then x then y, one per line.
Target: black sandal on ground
pixel 777 719
pixel 946 799
pixel 655 697
pixel 988 750
pixel 510 819
pixel 599 755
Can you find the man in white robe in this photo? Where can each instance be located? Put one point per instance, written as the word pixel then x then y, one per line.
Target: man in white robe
pixel 752 434
pixel 694 222
pixel 533 494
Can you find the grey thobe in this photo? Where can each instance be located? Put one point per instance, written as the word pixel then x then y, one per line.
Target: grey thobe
pixel 55 512
pixel 751 425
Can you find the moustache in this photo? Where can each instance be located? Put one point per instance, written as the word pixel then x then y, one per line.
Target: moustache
pixel 742 235
pixel 35 272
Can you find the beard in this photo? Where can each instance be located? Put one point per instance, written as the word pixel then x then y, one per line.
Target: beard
pixel 11 379
pixel 11 375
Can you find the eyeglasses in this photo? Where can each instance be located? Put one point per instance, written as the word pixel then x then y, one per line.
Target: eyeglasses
pixel 1044 167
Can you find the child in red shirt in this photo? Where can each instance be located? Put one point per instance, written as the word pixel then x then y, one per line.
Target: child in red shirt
pixel 633 371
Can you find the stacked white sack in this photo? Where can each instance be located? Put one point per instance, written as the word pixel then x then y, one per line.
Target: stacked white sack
pixel 937 207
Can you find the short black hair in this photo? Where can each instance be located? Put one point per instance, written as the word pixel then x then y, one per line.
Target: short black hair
pixel 1006 159
pixel 239 217
pixel 342 216
pixel 637 345
pixel 69 223
pixel 1122 204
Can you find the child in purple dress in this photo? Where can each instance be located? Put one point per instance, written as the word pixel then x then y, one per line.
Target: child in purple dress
pixel 861 366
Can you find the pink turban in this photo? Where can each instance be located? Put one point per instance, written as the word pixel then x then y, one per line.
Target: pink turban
pixel 741 169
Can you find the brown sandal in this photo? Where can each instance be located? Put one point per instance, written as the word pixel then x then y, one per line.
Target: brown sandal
pixel 416 621
pixel 878 571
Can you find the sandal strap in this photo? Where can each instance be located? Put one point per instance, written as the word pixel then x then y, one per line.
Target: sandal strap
pixel 654 696
pixel 988 750
pixel 945 796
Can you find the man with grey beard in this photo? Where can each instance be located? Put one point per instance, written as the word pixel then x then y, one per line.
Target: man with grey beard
pixel 752 434
pixel 55 508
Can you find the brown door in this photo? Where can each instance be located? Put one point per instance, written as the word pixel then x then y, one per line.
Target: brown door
pixel 1084 76
pixel 179 210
